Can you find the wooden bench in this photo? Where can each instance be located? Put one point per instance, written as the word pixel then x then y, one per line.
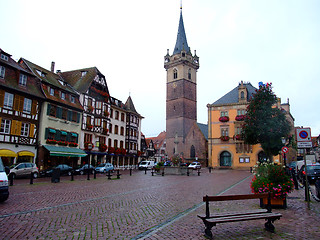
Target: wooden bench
pixel 211 220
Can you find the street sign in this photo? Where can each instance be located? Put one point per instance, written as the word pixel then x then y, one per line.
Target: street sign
pixel 285 149
pixel 303 138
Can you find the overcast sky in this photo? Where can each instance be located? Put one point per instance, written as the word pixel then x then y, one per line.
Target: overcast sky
pixel 250 40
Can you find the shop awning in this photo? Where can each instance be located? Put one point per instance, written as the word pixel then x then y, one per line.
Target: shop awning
pixel 25 153
pixel 7 153
pixel 65 151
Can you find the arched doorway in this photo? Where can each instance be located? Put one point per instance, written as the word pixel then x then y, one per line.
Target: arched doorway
pixel 262 157
pixel 192 152
pixel 225 159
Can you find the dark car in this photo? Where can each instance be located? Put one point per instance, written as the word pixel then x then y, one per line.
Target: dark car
pixel 313 172
pixel 291 167
pixel 64 170
pixel 84 169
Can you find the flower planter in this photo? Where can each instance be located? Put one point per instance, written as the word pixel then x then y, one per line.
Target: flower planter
pixel 275 203
pixel 224 138
pixel 239 117
pixel 224 119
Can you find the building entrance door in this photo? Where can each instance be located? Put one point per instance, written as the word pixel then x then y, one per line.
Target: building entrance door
pixel 225 159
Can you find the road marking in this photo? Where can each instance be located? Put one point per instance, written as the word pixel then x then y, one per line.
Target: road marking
pixel 161 226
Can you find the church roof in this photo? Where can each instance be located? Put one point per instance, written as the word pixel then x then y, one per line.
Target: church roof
pixel 204 129
pixel 233 95
pixel 181 43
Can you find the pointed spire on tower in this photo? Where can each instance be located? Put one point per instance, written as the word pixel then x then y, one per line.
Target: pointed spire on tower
pixel 181 43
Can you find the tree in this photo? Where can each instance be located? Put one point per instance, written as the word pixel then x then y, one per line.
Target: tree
pixel 264 122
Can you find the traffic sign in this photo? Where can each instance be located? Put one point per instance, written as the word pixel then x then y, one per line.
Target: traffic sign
pixel 303 138
pixel 285 149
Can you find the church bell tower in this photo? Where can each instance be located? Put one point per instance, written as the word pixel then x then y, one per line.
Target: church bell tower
pixel 181 102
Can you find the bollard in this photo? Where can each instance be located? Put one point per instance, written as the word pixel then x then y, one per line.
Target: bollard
pixel 210 168
pixel 88 177
pixel 162 172
pixel 152 171
pixel 188 173
pixel 72 175
pixel 130 170
pixel 94 174
pixel 31 178
pixel 251 169
pixel 11 179
pixel 118 174
pixel 109 175
pixel 295 181
pixel 198 171
pixel 145 171
pixel 317 185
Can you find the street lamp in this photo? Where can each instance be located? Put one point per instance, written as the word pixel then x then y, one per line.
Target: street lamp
pixel 89 148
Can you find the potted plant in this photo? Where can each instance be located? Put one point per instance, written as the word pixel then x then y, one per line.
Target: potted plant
pixel 73 144
pixel 89 126
pixel 111 150
pixel 51 141
pixel 62 143
pixel 237 137
pixel 224 119
pixel 106 113
pixel 86 145
pixel 269 177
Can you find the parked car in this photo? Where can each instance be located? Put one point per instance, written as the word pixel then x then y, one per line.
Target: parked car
pixel 84 169
pixel 194 165
pixel 24 170
pixel 183 164
pixel 313 172
pixel 291 167
pixel 64 170
pixel 146 165
pixel 104 167
pixel 4 184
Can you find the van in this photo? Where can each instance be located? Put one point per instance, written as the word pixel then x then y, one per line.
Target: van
pixel 4 186
pixel 146 165
pixel 301 162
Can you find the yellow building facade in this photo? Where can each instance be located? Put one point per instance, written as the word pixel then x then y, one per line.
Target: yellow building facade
pixel 226 148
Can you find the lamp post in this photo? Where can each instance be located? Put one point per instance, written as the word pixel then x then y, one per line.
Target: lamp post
pixel 89 148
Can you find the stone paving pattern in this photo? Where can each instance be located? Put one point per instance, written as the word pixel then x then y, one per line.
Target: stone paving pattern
pixel 142 206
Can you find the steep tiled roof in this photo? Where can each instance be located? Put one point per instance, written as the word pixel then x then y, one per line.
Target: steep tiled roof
pixel 81 79
pixel 48 76
pixel 233 95
pixel 130 107
pixel 11 81
pixel 181 43
pixel 204 129
pixel 157 141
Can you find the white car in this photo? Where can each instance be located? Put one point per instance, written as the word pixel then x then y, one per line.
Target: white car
pixel 104 167
pixel 194 165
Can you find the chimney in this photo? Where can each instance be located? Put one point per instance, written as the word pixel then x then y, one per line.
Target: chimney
pixel 52 66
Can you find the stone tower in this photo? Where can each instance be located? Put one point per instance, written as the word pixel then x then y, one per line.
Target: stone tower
pixel 181 105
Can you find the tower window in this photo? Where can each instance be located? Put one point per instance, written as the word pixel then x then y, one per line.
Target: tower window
pixel 175 73
pixel 189 74
pixel 242 95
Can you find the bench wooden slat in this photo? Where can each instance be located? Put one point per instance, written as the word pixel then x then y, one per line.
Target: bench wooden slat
pixel 243 217
pixel 226 214
pixel 234 197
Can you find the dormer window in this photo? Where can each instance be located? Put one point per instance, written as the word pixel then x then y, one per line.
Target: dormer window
pixel 2 71
pixel 4 57
pixel 23 80
pixel 83 73
pixel 39 72
pixel 61 82
pixel 63 96
pixel 242 95
pixel 51 90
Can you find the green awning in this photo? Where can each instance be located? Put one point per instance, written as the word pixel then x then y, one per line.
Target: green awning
pixel 63 133
pixel 52 130
pixel 74 135
pixel 65 151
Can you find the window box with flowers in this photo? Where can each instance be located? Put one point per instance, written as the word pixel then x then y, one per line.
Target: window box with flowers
pixel 237 137
pixel 225 138
pixel 224 119
pixel 103 147
pixel 89 126
pixel 51 141
pixel 240 117
pixel 62 143
pixel 73 144
pixel 111 150
pixel 106 113
pixel 90 109
pixel 105 131
pixel 87 145
pixel 272 178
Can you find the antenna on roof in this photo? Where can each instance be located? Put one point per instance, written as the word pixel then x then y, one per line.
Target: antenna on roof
pixel 181 5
